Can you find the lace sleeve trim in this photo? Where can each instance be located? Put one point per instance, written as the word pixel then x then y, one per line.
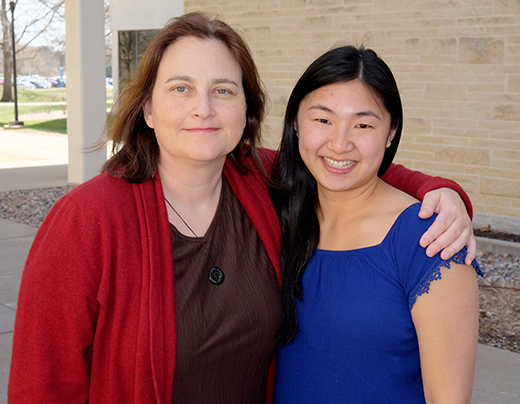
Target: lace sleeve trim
pixel 435 274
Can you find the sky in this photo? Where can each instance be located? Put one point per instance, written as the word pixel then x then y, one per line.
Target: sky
pixel 26 12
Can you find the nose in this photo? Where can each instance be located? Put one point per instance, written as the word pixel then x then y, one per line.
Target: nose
pixel 341 141
pixel 202 105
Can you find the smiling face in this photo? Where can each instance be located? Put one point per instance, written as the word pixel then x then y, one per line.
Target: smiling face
pixel 198 106
pixel 343 131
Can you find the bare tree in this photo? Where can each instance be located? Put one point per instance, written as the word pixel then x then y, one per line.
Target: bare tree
pixel 43 13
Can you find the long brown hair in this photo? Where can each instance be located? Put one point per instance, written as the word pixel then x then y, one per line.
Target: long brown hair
pixel 135 148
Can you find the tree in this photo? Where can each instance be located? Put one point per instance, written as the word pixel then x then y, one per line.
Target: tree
pixel 39 15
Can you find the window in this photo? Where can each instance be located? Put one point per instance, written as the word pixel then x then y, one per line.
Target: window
pixel 132 45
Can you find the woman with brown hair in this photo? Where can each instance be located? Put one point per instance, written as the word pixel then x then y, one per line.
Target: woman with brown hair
pixel 158 280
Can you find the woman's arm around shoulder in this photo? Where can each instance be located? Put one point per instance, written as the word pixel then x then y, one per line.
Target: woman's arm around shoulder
pixel 452 229
pixel 417 184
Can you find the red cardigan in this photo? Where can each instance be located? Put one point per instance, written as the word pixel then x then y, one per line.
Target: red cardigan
pixel 96 317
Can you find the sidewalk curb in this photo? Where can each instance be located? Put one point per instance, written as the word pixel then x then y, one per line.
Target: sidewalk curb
pixel 499 247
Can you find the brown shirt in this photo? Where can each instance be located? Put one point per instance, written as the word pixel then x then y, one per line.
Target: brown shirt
pixel 225 333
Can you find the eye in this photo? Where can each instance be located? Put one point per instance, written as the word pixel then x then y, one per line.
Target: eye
pixel 180 89
pixel 323 120
pixel 363 126
pixel 222 91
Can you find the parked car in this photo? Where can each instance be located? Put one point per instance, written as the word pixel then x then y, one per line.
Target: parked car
pixel 25 84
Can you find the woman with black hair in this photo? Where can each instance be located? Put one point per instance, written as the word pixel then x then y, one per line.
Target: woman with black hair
pixel 368 316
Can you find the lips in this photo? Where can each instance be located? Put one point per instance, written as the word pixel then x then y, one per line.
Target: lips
pixel 341 165
pixel 202 130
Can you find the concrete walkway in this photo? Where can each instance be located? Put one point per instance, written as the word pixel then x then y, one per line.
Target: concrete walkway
pixel 497 375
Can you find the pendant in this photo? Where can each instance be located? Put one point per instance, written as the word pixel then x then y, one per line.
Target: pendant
pixel 216 276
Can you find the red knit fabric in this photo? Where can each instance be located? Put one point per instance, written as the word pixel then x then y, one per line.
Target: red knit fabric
pixel 418 184
pixel 96 315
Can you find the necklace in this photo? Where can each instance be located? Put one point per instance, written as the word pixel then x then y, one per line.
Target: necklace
pixel 216 275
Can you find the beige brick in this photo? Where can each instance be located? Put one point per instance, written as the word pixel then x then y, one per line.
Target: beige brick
pixel 442 140
pixel 507 164
pixel 506 154
pixel 420 147
pixel 463 155
pixel 498 125
pixel 507 7
pixel 405 145
pixel 481 50
pixel 385 5
pixel 492 20
pixel 513 38
pixel 420 103
pixel 513 59
pixel 460 124
pixel 513 50
pixel 499 30
pixel 441 47
pixel 493 172
pixel 508 112
pixel 444 91
pixel 471 76
pixel 484 87
pixel 506 135
pixel 502 187
pixel 316 22
pixel 497 202
pixel 468 134
pixel 448 58
pixel 467 181
pixel 417 125
pixel 456 63
pixel 414 155
pixel 495 144
pixel 427 76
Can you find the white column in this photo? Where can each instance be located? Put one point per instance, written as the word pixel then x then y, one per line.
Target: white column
pixel 86 92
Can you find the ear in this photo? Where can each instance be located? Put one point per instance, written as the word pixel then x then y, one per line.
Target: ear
pixel 147 112
pixel 296 128
pixel 391 136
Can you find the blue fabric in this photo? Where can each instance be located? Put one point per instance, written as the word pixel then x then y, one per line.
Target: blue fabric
pixel 357 342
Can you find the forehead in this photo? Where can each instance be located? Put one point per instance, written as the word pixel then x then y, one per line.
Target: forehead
pixel 344 96
pixel 194 54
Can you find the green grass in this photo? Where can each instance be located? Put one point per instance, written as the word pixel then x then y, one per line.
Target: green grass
pixel 47 94
pixel 54 125
pixel 7 110
pixel 40 95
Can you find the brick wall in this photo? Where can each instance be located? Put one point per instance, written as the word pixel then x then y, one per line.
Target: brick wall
pixel 457 63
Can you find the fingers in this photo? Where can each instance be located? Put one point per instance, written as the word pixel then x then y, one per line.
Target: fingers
pixel 451 242
pixel 471 246
pixel 429 204
pixel 454 247
pixel 452 229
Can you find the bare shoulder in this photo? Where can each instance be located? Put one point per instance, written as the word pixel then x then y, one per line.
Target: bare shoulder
pixel 394 201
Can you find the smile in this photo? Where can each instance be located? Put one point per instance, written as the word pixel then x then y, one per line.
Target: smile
pixel 202 130
pixel 339 164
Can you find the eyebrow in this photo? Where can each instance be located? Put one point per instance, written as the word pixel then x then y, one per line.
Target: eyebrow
pixel 358 114
pixel 191 80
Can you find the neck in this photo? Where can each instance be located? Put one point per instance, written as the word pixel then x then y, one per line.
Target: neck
pixel 355 219
pixel 194 194
pixel 347 205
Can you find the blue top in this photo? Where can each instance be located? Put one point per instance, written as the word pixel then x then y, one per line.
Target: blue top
pixel 356 341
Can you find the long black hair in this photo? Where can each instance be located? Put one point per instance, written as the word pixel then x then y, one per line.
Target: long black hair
pixel 294 190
